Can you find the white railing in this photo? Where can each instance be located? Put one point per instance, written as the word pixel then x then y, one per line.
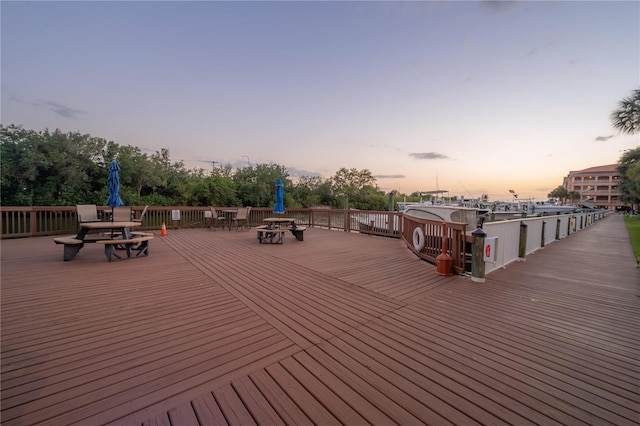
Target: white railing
pixel 540 231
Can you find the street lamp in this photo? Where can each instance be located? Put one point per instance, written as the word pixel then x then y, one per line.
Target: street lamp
pixel 248 160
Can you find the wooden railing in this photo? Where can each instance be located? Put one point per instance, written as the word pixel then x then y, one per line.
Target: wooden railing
pixel 457 243
pixel 20 222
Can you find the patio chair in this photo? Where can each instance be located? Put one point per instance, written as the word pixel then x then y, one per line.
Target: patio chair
pixel 142 215
pixel 121 214
pixel 87 213
pixel 241 217
pixel 216 218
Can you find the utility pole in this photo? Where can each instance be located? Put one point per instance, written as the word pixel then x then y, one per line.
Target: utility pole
pixel 248 160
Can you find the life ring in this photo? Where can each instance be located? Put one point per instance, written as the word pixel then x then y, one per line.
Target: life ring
pixel 418 238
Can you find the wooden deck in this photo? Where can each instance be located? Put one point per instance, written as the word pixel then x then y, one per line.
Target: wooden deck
pixel 214 328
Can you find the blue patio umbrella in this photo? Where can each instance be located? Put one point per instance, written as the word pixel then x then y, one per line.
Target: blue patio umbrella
pixel 113 183
pixel 279 207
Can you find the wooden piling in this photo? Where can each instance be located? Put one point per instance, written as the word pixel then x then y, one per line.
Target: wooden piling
pixel 477 256
pixel 522 246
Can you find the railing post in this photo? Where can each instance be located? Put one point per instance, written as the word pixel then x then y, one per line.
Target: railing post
pixel 544 225
pixel 477 256
pixel 558 229
pixel 443 260
pixel 346 211
pixel 522 246
pixel 33 222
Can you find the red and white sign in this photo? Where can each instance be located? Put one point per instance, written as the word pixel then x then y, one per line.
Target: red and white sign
pixel 489 252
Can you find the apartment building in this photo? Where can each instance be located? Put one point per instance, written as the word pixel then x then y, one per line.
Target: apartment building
pixel 597 186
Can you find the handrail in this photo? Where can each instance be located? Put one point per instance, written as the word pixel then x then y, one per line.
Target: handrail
pixel 21 222
pixel 457 242
pixel 24 221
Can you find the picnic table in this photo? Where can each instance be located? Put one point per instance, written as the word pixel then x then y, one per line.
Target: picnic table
pixel 113 235
pixel 229 214
pixel 275 229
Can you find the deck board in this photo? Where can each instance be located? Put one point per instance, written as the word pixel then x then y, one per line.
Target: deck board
pixel 342 328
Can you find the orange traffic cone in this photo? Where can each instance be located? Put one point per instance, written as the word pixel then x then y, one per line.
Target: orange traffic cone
pixel 163 230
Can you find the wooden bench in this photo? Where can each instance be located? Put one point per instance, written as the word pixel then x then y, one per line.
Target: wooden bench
pixel 142 234
pixel 271 236
pixel 71 246
pixel 298 232
pixel 140 244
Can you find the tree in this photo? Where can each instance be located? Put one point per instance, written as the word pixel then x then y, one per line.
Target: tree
pixel 629 185
pixel 305 191
pixel 168 179
pixel 62 169
pixel 352 183
pixel 627 117
pixel 256 185
pixel 51 168
pixel 136 174
pixel 560 193
pixel 574 195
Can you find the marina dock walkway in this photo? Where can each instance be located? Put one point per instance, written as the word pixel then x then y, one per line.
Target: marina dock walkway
pixel 342 328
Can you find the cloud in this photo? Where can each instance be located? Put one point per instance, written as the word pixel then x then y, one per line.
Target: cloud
pixel 497 5
pixel 55 107
pixel 62 110
pixel 293 172
pixel 532 52
pixel 427 155
pixel 604 138
pixel 13 98
pixel 389 176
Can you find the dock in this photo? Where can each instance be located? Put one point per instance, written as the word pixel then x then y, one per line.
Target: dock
pixel 213 328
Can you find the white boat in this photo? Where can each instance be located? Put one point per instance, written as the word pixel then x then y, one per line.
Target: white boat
pixel 404 205
pixel 469 215
pixel 550 207
pixel 529 208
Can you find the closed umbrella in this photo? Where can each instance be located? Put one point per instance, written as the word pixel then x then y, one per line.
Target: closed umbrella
pixel 279 207
pixel 113 183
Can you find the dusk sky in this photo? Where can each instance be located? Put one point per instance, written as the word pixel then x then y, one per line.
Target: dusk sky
pixel 470 97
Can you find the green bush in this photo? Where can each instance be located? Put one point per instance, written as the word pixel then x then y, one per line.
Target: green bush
pixel 633 226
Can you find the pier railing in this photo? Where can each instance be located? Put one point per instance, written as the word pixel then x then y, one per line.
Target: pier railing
pixel 515 239
pixel 512 239
pixel 428 238
pixel 20 222
pixel 509 240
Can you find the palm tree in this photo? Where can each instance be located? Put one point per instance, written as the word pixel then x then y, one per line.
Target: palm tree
pixel 627 117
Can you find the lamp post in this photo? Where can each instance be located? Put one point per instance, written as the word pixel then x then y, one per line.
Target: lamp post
pixel 248 160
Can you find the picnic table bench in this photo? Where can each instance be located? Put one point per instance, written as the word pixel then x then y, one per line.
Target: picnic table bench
pixel 138 245
pixel 298 232
pixel 270 236
pixel 71 246
pixel 276 235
